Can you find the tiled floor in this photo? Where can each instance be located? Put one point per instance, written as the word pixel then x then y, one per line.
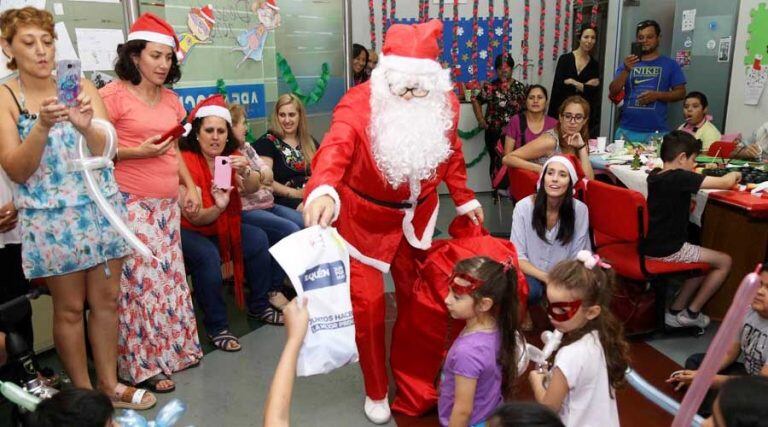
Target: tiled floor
pixel 229 389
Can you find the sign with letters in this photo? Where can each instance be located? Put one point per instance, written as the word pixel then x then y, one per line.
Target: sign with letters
pixel 250 96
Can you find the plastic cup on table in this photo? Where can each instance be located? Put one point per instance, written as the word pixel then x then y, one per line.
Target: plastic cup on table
pixel 601 141
pixel 618 145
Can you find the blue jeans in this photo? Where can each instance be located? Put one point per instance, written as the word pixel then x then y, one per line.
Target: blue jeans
pixel 277 221
pixel 535 290
pixel 203 262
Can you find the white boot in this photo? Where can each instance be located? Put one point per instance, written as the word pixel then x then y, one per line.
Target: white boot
pixel 377 411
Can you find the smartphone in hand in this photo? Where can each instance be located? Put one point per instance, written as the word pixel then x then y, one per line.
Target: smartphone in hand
pixel 637 49
pixel 174 133
pixel 68 81
pixel 222 172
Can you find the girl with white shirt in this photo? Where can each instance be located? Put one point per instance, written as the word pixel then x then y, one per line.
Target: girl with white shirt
pixel 594 356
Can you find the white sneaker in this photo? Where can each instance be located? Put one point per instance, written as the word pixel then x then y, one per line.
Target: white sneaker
pixel 702 320
pixel 377 411
pixel 671 320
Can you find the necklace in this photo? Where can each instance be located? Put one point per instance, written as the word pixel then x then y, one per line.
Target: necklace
pixel 150 102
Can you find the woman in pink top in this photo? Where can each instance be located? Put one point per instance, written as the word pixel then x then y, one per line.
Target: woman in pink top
pixel 158 333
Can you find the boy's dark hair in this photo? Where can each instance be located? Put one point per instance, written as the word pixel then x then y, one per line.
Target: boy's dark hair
pixel 505 57
pixel 677 142
pixel 126 69
pixel 524 414
pixel 740 402
pixel 648 23
pixel 75 407
pixel 700 96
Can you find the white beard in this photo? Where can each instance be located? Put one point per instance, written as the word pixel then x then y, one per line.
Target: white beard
pixel 409 138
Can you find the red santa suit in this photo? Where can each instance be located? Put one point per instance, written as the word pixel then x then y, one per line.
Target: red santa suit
pixel 386 227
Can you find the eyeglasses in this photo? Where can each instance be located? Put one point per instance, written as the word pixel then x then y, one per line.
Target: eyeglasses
pixel 575 118
pixel 417 92
pixel 563 311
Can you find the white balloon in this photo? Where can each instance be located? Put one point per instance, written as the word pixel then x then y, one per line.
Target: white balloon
pixel 86 164
pixel 656 396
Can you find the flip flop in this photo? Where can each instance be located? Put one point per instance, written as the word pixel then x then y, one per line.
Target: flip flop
pixel 132 398
pixel 152 383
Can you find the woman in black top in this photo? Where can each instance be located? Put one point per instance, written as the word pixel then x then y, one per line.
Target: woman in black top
pixel 359 62
pixel 288 149
pixel 577 73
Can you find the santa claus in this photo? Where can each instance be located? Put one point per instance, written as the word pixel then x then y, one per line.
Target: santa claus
pixel 392 141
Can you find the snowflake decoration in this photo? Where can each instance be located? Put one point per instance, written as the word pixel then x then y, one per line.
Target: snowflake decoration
pixel 495 43
pixel 469 44
pixel 483 54
pixel 465 57
pixel 499 31
pixel 480 32
pixel 460 31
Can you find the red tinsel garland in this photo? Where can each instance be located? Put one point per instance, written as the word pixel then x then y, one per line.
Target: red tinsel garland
pixel 371 20
pixel 579 15
pixel 392 10
pixel 567 29
pixel 558 19
pixel 524 41
pixel 542 26
pixel 491 42
pixel 474 73
pixel 384 21
pixel 595 18
pixel 455 44
pixel 440 14
pixel 506 40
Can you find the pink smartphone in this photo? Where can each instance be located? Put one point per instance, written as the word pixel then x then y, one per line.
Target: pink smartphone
pixel 68 81
pixel 222 172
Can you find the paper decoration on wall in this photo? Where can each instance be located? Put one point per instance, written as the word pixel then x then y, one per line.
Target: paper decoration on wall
pixel 98 47
pixel 683 58
pixel 200 22
pixel 724 49
pixel 18 4
pixel 251 42
pixel 711 44
pixel 757 74
pixel 689 20
pixel 758 33
pixel 64 47
pixel 289 78
pixel 100 79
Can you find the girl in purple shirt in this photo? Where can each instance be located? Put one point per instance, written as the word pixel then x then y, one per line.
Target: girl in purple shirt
pixel 481 364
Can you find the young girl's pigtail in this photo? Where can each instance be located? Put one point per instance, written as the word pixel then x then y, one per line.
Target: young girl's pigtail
pixel 507 323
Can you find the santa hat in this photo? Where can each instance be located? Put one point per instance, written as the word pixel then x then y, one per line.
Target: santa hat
pixel 272 4
pixel 206 12
pixel 214 105
pixel 565 162
pixel 149 27
pixel 412 49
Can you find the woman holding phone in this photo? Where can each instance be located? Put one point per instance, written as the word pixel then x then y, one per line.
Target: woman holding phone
pixel 158 333
pixel 66 240
pixel 217 234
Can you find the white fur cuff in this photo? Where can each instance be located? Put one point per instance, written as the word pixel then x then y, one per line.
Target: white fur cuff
pixel 326 190
pixel 467 207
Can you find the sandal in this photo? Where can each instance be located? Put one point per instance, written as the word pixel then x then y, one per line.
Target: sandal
pixel 152 383
pixel 223 339
pixel 127 397
pixel 278 300
pixel 269 316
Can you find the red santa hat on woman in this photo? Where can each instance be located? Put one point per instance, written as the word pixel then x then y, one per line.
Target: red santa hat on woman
pixel 272 4
pixel 214 105
pixel 563 161
pixel 149 27
pixel 412 49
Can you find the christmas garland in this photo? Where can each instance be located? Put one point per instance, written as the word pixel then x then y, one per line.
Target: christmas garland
pixel 290 79
pixel 579 15
pixel 558 19
pixel 392 11
pixel 440 14
pixel 372 21
pixel 506 41
pixel 384 21
pixel 477 159
pixel 474 73
pixel 567 30
pixel 542 26
pixel 455 41
pixel 423 10
pixel 469 134
pixel 526 33
pixel 491 42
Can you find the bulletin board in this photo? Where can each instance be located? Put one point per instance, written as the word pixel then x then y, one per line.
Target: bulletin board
pixel 78 17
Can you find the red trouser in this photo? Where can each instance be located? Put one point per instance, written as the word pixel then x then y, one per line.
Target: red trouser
pixel 418 338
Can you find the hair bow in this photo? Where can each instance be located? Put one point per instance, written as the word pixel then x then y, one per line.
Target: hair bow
pixel 590 260
pixel 508 263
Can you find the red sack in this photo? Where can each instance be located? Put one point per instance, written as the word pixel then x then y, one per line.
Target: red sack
pixel 426 316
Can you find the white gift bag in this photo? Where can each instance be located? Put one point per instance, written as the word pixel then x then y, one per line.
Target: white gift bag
pixel 317 262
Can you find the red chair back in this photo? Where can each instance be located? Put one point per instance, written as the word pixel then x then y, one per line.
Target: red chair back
pixel 721 149
pixel 615 213
pixel 522 183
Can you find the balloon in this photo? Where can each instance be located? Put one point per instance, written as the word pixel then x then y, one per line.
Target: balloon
pixel 654 395
pixel 166 417
pixel 19 396
pixel 86 164
pixel 733 321
pixel 551 341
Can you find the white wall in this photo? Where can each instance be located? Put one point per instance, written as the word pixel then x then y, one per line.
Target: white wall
pixel 743 118
pixel 478 175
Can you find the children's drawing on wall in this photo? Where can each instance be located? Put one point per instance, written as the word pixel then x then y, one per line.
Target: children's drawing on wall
pixel 200 22
pixel 757 48
pixel 251 42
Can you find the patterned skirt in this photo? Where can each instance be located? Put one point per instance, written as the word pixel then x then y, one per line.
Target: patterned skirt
pixel 157 329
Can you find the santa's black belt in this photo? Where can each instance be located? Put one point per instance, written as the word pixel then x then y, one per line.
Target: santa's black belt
pixel 393 205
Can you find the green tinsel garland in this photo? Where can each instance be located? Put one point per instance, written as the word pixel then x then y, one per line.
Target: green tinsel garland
pixel 470 134
pixel 477 159
pixel 290 79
